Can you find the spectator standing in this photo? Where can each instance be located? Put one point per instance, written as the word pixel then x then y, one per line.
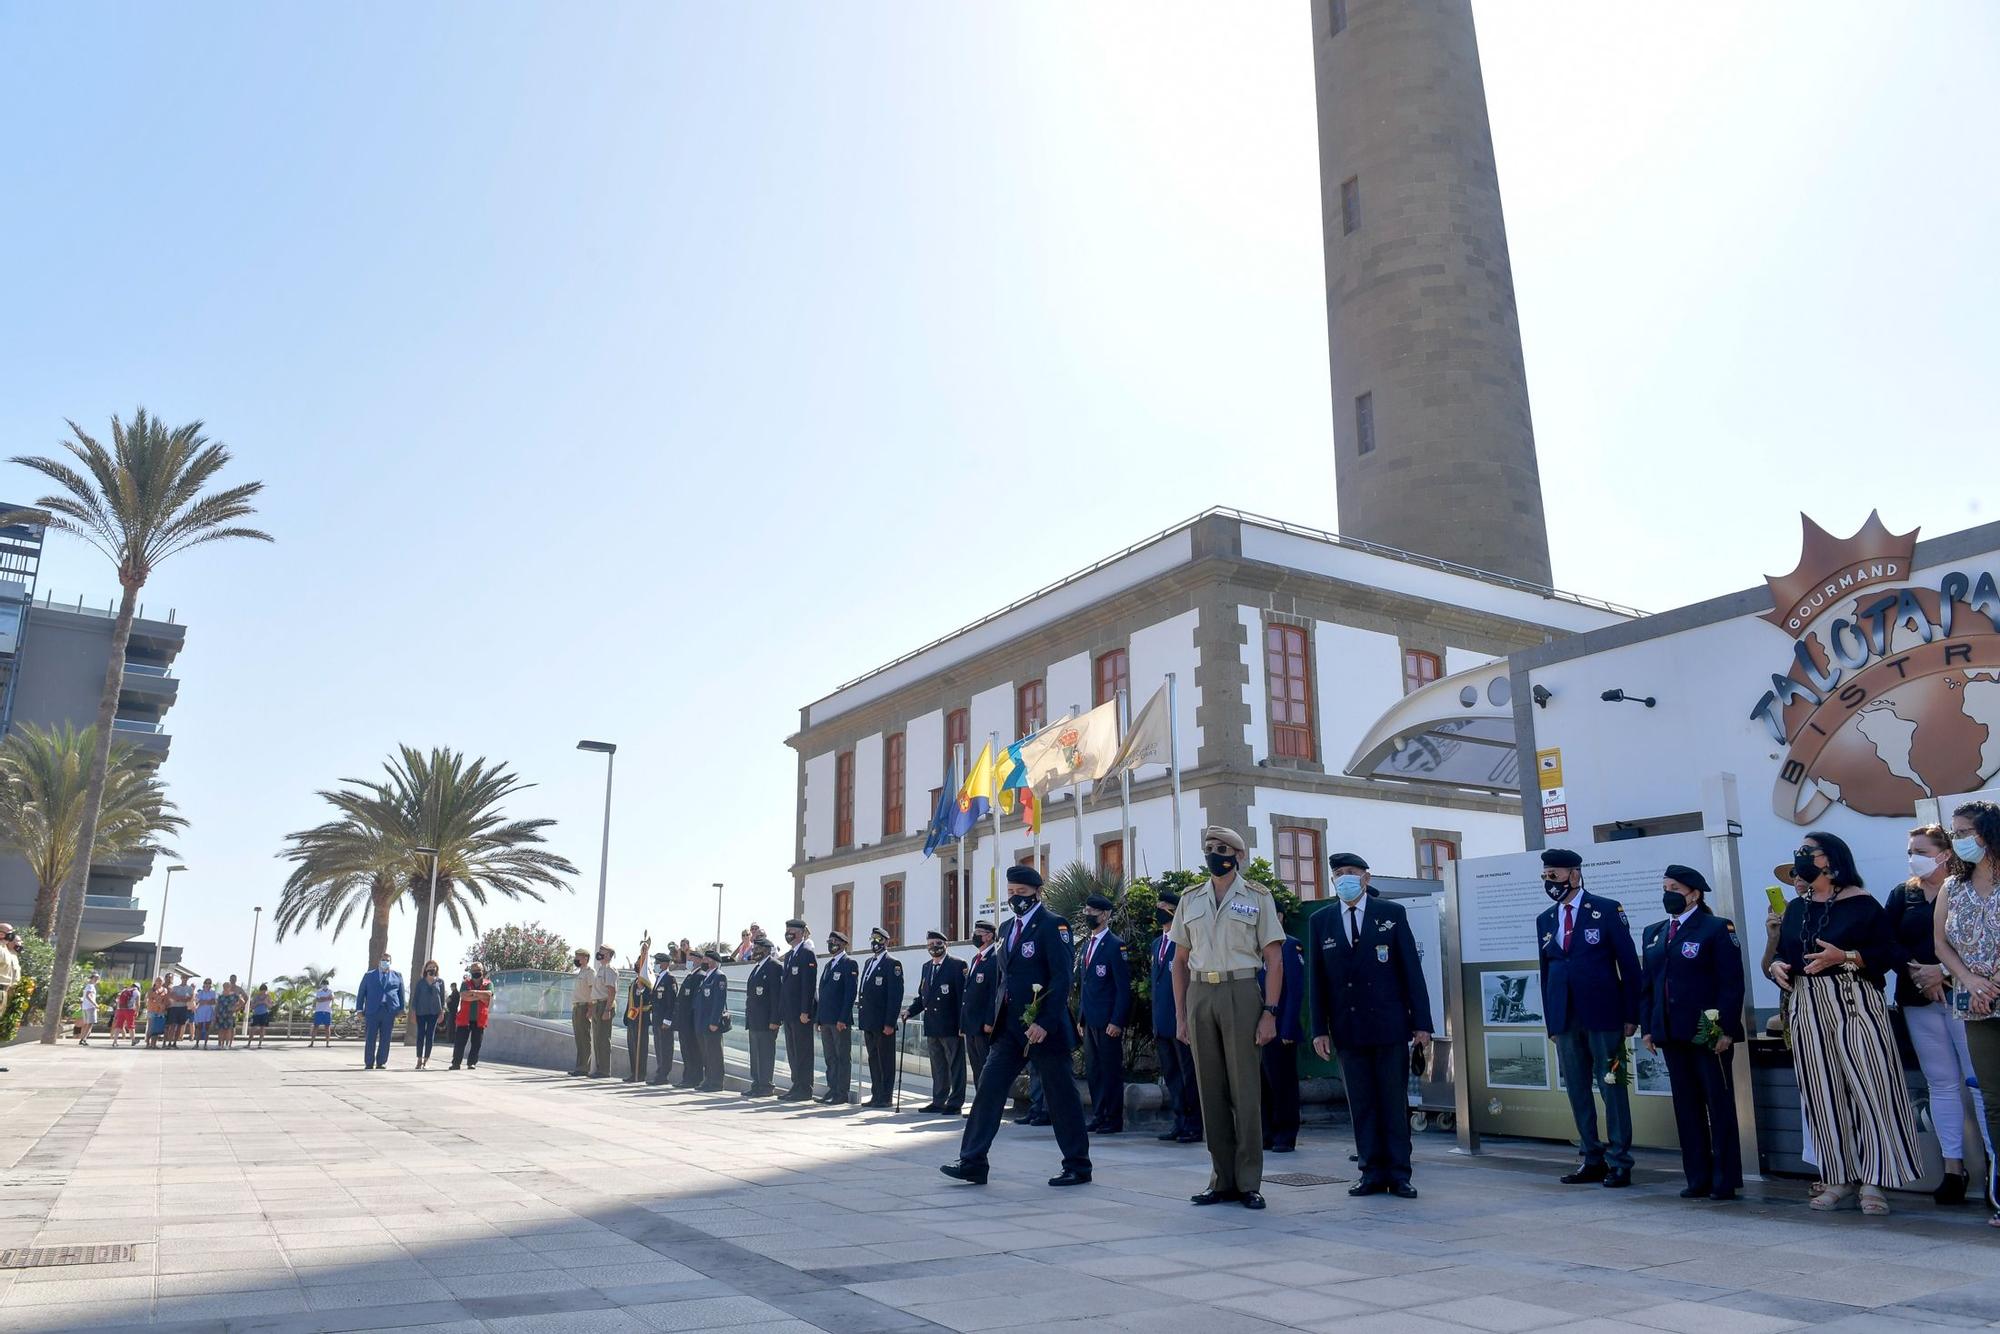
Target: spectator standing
pixel 426 1004
pixel 1968 942
pixel 475 1003
pixel 180 1000
pixel 260 1015
pixel 87 1009
pixel 638 1016
pixel 125 1013
pixel 322 1025
pixel 204 1011
pixel 228 1004
pixel 448 1020
pixel 741 954
pixel 10 966
pixel 380 998
pixel 157 1000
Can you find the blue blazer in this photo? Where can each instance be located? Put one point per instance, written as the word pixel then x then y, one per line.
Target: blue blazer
pixel 1038 954
pixel 981 1006
pixel 1165 1023
pixel 761 992
pixel 838 982
pixel 711 1000
pixel 1701 969
pixel 378 997
pixel 800 993
pixel 1107 983
pixel 1373 996
pixel 1593 986
pixel 881 995
pixel 666 995
pixel 1291 991
pixel 940 993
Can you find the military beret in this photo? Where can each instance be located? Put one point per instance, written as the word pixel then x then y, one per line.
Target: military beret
pixel 1353 859
pixel 1215 833
pixel 1099 902
pixel 840 936
pixel 1688 876
pixel 1024 875
pixel 934 935
pixel 982 926
pixel 712 954
pixel 760 942
pixel 877 933
pixel 795 922
pixel 1561 859
pixel 1168 898
pixel 661 956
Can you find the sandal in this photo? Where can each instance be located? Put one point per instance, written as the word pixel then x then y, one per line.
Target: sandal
pixel 1873 1202
pixel 1832 1198
pixel 1994 1221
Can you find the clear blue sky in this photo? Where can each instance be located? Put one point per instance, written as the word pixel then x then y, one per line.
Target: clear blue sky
pixel 642 371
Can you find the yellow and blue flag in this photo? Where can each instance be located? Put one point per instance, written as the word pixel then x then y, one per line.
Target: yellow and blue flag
pixel 975 799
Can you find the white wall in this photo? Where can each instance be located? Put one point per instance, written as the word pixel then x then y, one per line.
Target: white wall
pixel 1458 660
pixel 1168 646
pixel 1256 693
pixel 992 711
pixel 1358 676
pixel 1068 685
pixel 819 804
pixel 868 789
pixel 1382 831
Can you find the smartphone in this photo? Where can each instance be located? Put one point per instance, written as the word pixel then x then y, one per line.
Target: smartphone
pixel 1961 1004
pixel 1776 898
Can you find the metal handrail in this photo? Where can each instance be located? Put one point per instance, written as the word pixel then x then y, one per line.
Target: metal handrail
pixel 110 608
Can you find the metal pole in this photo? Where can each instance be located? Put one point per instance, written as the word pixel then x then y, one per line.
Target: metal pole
pixel 718 918
pixel 961 892
pixel 604 853
pixel 1124 793
pixel 1076 799
pixel 1174 759
pixel 431 920
pixel 993 806
pixel 256 921
pixel 160 935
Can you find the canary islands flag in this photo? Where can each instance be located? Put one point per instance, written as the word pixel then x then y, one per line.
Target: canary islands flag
pixel 975 799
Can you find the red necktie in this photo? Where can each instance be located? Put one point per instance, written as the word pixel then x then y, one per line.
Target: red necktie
pixel 1092 950
pixel 1569 921
pixel 1673 925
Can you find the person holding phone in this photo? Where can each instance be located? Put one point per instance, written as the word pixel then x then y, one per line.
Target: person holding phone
pixel 1967 938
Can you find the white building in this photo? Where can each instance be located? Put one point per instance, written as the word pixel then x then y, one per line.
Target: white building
pixel 1288 644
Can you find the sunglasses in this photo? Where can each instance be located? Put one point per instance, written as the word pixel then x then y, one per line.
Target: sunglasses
pixel 1808 852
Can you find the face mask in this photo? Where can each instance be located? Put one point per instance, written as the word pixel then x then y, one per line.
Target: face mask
pixel 1555 889
pixel 1092 920
pixel 937 951
pixel 1674 902
pixel 981 941
pixel 1805 869
pixel 791 937
pixel 1020 903
pixel 385 965
pixel 1968 848
pixel 877 946
pixel 1349 888
pixel 1220 863
pixel 1921 866
pixel 1163 917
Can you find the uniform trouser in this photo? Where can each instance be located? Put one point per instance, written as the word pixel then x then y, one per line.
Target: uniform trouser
pixel 763 1058
pixel 1177 1073
pixel 1010 1051
pixel 1940 1042
pixel 691 1062
pixel 799 1055
pixel 579 1027
pixel 1982 1041
pixel 976 1047
pixel 638 1036
pixel 465 1045
pixel 427 1032
pixel 663 1052
pixel 1378 1100
pixel 881 1065
pixel 837 1055
pixel 1279 1062
pixel 711 1061
pixel 1222 1032
pixel 947 1072
pixel 376 1038
pixel 1104 1071
pixel 1704 1116
pixel 600 1041
pixel 1584 1057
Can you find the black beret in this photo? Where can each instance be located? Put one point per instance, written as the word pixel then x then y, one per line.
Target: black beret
pixel 1099 902
pixel 1562 859
pixel 793 921
pixel 1024 875
pixel 1687 875
pixel 934 935
pixel 983 926
pixel 1169 898
pixel 1353 859
pixel 712 954
pixel 661 956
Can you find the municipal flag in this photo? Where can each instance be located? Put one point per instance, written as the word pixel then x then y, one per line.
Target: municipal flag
pixel 1072 749
pixel 1149 742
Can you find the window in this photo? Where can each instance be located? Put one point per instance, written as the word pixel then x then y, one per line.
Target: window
pixel 1338 16
pixel 1299 865
pixel 1432 854
pixel 1031 707
pixel 1419 669
pixel 1364 424
pixel 1113 674
pixel 957 736
pixel 955 903
pixel 843 799
pixel 1290 684
pixel 1350 205
pixel 843 911
pixel 1111 861
pixel 892 911
pixel 892 785
pixel 1026 857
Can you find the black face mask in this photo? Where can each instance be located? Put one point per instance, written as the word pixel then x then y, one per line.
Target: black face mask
pixel 981 941
pixel 877 946
pixel 1805 868
pixel 1020 903
pixel 1674 902
pixel 937 951
pixel 1555 889
pixel 1092 920
pixel 1220 863
pixel 1163 917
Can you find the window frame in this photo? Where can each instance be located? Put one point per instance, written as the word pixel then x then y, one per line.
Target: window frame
pixel 960 721
pixel 1114 846
pixel 843 799
pixel 1364 422
pixel 1029 717
pixel 843 910
pixel 895 765
pixel 1314 857
pixel 1120 660
pixel 1414 660
pixel 1290 740
pixel 891 916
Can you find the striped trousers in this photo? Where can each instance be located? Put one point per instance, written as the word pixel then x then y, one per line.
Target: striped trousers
pixel 1851 1083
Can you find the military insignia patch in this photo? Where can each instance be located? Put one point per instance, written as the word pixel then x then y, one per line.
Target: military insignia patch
pixel 1690 948
pixel 760 991
pixel 1103 970
pixel 1381 954
pixel 1028 949
pixel 1384 926
pixel 945 990
pixel 1591 935
pixel 878 981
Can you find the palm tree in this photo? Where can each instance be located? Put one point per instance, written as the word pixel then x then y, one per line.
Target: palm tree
pixel 312 977
pixel 343 867
pixel 138 502
pixel 41 807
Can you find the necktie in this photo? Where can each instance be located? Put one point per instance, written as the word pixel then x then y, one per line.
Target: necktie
pixel 1673 926
pixel 1353 926
pixel 1089 952
pixel 1569 922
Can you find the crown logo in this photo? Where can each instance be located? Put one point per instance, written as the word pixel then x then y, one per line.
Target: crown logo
pixel 1830 568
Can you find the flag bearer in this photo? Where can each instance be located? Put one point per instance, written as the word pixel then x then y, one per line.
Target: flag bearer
pixel 638 1017
pixel 1590 1002
pixel 1176 1061
pixel 763 1016
pixel 834 1014
pixel 940 996
pixel 1105 1004
pixel 880 1001
pixel 797 997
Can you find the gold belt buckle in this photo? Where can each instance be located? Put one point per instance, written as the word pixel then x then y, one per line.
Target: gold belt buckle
pixel 1212 977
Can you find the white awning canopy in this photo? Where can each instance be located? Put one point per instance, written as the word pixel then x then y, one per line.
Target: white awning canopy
pixel 1457 731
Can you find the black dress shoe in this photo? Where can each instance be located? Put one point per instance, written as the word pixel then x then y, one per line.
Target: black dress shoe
pixel 1722 1195
pixel 1024 1120
pixel 1252 1200
pixel 928 1107
pixel 1587 1175
pixel 1109 1130
pixel 1284 1148
pixel 1070 1178
pixel 1169 1137
pixel 1188 1137
pixel 1403 1190
pixel 1619 1178
pixel 1367 1188
pixel 1951 1190
pixel 1217 1197
pixel 1695 1193
pixel 973 1174
pixel 952 1109
pixel 1039 1121
pixel 577 1074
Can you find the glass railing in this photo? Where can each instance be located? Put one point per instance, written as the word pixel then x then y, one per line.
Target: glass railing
pixel 136 725
pixel 148 669
pixel 110 901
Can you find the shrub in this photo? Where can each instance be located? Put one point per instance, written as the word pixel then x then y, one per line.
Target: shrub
pixel 517 946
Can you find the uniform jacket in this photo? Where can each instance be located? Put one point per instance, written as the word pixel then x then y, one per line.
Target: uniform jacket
pixel 684 1002
pixel 1165 1023
pixel 880 998
pixel 1593 986
pixel 762 996
pixel 838 982
pixel 981 1005
pixel 799 993
pixel 1374 995
pixel 1105 982
pixel 1291 991
pixel 1037 954
pixel 666 998
pixel 639 996
pixel 940 994
pixel 378 996
pixel 1700 969
pixel 711 999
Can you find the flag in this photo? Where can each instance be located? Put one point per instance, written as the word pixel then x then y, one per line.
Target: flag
pixel 1016 786
pixel 975 799
pixel 1149 742
pixel 939 832
pixel 1072 749
pixel 1007 779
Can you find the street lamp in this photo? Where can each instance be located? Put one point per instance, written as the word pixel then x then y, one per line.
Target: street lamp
pixel 256 921
pixel 718 914
pixel 161 934
pixel 430 915
pixel 609 751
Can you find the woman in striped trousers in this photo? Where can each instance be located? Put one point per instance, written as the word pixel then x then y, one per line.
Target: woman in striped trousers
pixel 1834 950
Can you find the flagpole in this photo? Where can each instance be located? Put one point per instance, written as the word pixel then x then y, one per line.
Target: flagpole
pixel 1174 758
pixel 1124 792
pixel 1076 798
pixel 961 892
pixel 993 885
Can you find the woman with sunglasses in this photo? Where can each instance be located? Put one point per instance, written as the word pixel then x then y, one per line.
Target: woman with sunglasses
pixel 1967 939
pixel 427 1003
pixel 1835 949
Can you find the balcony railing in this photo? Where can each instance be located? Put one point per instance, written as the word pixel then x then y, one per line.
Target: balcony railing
pixel 148 669
pixel 110 608
pixel 135 725
pixel 110 901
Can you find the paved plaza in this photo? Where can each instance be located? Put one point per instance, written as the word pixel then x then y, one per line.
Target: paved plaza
pixel 287 1192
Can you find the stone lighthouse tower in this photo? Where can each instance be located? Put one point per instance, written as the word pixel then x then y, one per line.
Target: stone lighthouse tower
pixel 1435 450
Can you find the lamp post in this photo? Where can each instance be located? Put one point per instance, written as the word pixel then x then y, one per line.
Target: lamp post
pixel 160 935
pixel 718 914
pixel 609 750
pixel 256 922
pixel 430 916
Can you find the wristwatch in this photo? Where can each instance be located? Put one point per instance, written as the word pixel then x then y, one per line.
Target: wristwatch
pixel 1270 1009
